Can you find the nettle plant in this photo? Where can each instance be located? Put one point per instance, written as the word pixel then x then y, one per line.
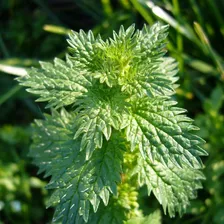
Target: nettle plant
pixel 121 129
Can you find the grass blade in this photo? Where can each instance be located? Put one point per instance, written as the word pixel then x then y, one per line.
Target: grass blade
pixel 184 30
pixel 13 70
pixel 56 29
pixel 10 93
pixel 205 41
pixel 142 11
pixel 218 15
pixel 107 7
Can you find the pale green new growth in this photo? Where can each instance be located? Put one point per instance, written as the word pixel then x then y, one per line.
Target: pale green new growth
pixel 120 91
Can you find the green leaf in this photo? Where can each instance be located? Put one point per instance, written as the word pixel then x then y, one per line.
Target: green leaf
pixel 157 80
pixel 99 111
pixel 153 218
pixel 93 124
pixel 172 186
pixel 114 60
pixel 151 42
pixel 131 60
pixel 162 132
pixel 111 214
pixel 79 184
pixel 53 143
pixel 85 49
pixel 107 60
pixel 59 83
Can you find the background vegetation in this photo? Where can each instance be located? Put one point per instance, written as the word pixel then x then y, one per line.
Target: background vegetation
pixel 33 30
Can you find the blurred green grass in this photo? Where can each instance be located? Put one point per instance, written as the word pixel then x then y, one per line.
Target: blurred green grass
pixel 36 30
